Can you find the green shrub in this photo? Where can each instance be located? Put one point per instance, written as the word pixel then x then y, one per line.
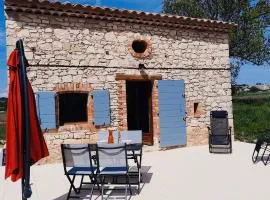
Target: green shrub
pixel 3 116
pixel 3 125
pixel 251 118
pixel 2 131
pixel 3 104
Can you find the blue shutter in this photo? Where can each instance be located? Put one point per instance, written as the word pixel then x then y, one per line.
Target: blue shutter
pixel 45 102
pixel 172 112
pixel 101 99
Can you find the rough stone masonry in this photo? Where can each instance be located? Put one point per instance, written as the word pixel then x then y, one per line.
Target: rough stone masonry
pixel 72 50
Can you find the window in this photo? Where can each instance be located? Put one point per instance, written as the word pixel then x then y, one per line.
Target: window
pixel 196 105
pixel 72 108
pixel 139 46
pixel 199 109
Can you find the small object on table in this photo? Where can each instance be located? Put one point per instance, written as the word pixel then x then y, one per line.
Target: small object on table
pixel 110 137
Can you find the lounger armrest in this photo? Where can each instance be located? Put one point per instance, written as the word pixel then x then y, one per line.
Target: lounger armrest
pixel 230 130
pixel 209 130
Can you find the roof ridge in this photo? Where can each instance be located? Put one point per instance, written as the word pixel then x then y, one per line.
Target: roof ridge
pixel 137 11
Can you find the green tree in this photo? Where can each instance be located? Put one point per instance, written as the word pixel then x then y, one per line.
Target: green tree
pixel 3 104
pixel 250 41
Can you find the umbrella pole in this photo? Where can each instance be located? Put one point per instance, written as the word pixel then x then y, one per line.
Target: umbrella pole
pixel 26 189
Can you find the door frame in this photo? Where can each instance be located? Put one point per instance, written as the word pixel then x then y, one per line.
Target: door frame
pixel 147 137
pixel 121 79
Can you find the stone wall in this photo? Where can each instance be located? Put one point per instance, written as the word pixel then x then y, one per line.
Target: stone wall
pixel 78 50
pixel 54 140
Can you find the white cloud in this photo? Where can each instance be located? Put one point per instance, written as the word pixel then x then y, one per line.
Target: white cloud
pixel 3 92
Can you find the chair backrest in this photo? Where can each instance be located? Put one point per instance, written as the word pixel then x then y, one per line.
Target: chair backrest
pixel 76 155
pixel 219 122
pixel 131 136
pixel 103 137
pixel 112 155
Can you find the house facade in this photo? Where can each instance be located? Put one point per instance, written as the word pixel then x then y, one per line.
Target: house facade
pixel 93 68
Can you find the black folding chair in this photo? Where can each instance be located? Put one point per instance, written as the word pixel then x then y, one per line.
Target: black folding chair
pixel 135 156
pixel 134 153
pixel 3 157
pixel 266 153
pixel 219 132
pixel 77 162
pixel 260 145
pixel 112 162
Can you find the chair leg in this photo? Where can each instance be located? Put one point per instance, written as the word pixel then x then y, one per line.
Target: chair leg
pixel 95 181
pixel 101 191
pixel 71 181
pixel 268 157
pixel 209 144
pixel 81 184
pixel 127 179
pixel 126 192
pixel 91 192
pixel 139 180
pixel 254 159
pixel 267 160
pixel 265 163
pixel 102 186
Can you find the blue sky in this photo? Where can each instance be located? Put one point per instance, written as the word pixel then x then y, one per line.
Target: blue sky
pixel 249 74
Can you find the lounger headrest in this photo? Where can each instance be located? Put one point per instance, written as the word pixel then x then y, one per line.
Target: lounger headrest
pixel 219 114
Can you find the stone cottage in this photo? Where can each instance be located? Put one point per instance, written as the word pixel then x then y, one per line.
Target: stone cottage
pixel 93 68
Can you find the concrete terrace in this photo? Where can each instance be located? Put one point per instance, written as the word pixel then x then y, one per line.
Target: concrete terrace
pixel 185 173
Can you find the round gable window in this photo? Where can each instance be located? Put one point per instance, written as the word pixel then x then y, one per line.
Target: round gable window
pixel 140 47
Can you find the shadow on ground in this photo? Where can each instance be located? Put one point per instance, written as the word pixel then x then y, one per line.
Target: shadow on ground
pixel 114 191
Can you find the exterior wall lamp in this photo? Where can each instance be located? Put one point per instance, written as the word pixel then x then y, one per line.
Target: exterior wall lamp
pixel 141 67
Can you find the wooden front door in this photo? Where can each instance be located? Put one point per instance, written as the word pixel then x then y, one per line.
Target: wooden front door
pixel 139 109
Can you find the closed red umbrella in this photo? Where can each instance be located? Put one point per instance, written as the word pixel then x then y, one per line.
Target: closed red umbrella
pixel 18 124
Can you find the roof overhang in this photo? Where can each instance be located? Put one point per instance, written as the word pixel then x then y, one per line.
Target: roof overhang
pixel 111 14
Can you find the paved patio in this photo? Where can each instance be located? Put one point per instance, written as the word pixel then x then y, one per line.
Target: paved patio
pixel 186 173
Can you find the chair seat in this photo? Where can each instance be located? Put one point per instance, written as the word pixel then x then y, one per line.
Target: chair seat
pixel 81 170
pixel 113 170
pixel 220 139
pixel 220 142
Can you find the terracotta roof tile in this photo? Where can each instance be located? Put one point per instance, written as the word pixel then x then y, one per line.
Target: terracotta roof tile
pixel 60 8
